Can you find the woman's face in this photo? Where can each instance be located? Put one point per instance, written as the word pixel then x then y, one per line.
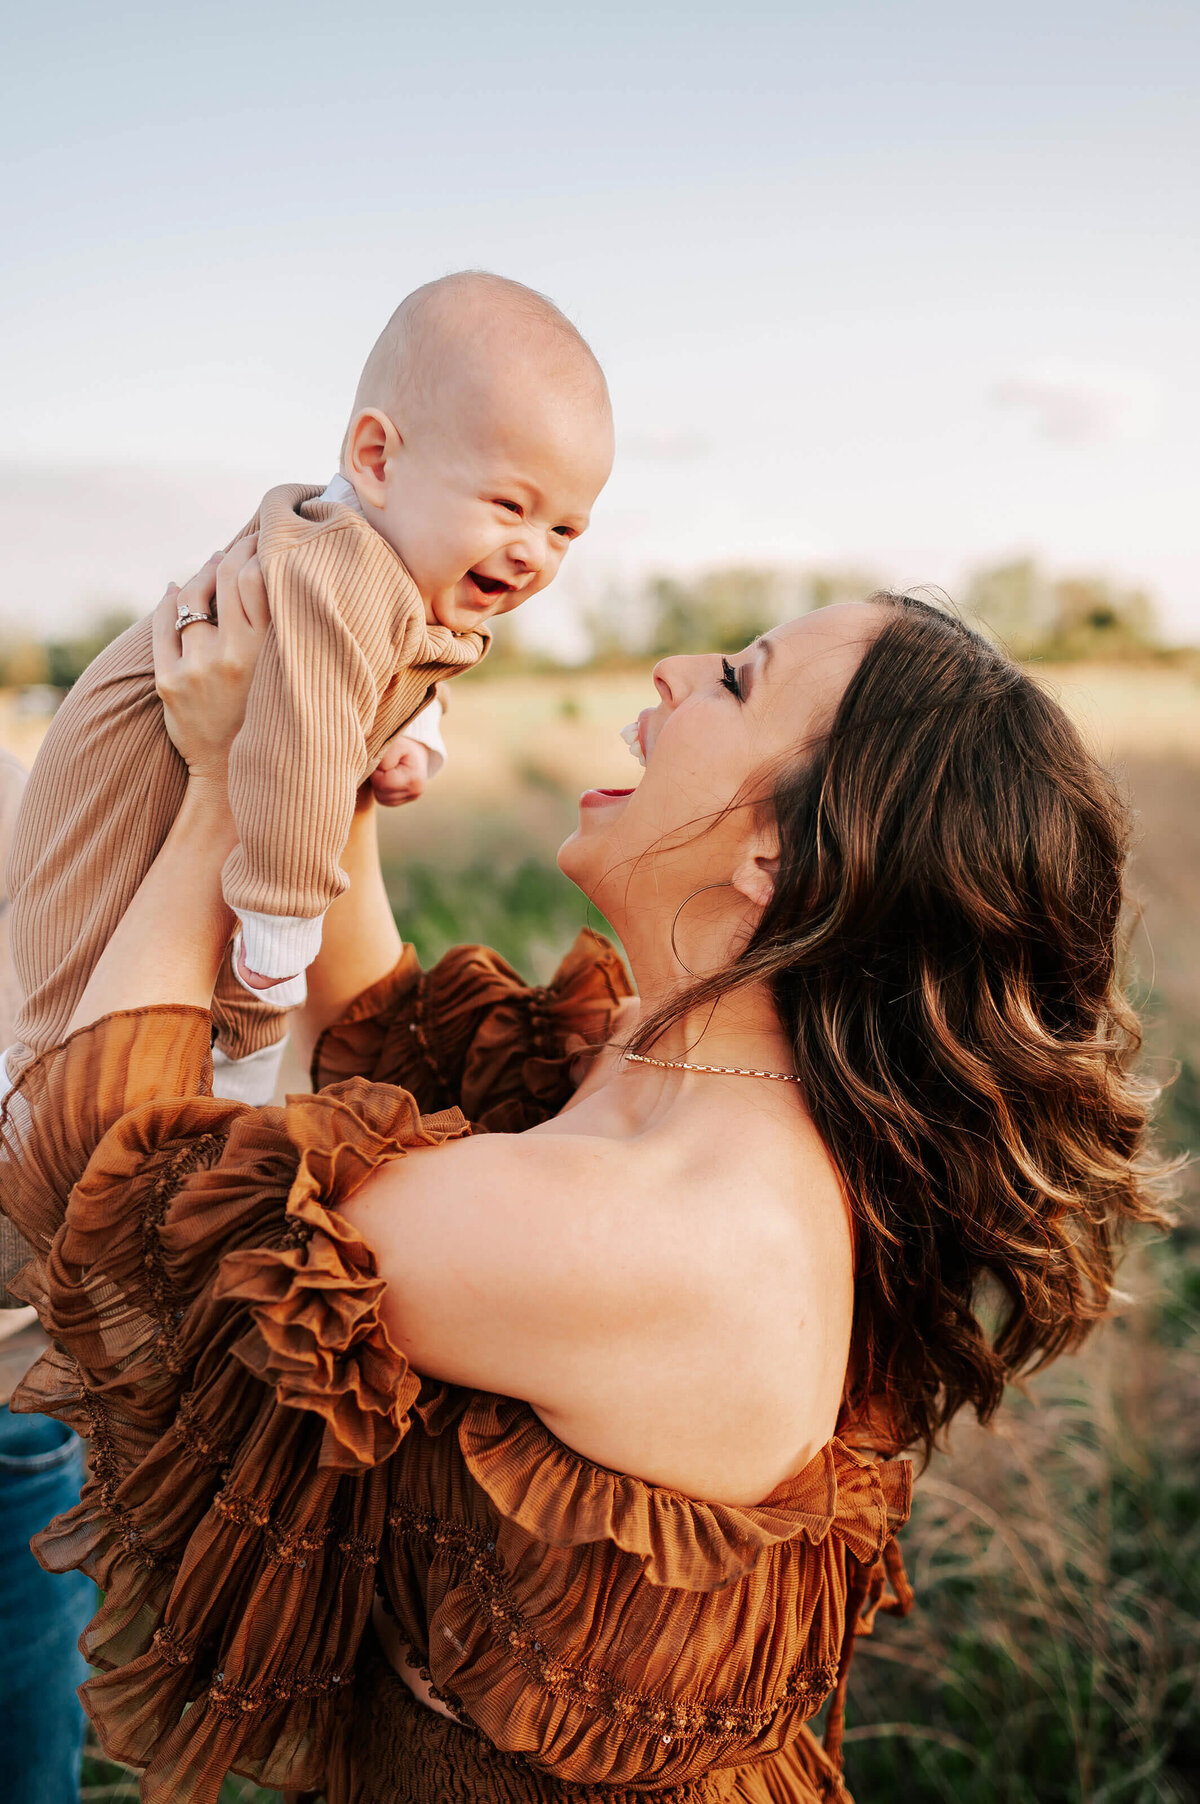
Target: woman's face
pixel 722 730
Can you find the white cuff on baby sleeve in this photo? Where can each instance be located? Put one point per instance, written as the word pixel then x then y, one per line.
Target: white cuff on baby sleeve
pixel 251 1079
pixel 425 728
pixel 289 992
pixel 279 945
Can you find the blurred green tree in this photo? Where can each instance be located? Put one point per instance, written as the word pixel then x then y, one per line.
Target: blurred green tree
pixel 724 609
pixel 1094 619
pixel 825 588
pixel 1014 603
pixel 720 610
pixel 67 659
pixel 1075 617
pixel 23 663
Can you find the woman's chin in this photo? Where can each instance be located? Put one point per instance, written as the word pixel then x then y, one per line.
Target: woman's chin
pixel 571 860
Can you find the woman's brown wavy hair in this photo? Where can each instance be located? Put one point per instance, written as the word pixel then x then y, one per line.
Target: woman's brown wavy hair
pixel 942 947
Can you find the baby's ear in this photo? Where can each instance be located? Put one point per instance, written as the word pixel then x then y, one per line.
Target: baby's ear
pixel 370 443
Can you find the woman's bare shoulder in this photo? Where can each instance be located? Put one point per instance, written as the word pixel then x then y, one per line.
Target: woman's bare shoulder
pixel 656 1312
pixel 508 1257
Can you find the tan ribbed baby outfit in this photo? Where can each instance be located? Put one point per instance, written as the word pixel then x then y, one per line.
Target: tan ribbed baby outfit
pixel 349 661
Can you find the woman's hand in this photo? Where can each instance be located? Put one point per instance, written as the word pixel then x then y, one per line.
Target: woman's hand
pixel 168 946
pixel 203 673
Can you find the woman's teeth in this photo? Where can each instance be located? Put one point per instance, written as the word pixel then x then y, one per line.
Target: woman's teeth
pixel 630 735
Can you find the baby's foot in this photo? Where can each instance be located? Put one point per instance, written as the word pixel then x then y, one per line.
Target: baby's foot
pixel 255 979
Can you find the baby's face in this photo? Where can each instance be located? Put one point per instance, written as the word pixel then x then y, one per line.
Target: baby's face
pixel 482 503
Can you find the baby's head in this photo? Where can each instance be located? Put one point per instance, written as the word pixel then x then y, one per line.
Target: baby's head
pixel 480 438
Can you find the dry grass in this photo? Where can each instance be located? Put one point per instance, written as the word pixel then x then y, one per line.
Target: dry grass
pixel 1055 1650
pixel 1145 711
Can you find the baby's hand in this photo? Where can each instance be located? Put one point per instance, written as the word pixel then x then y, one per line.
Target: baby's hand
pixel 402 772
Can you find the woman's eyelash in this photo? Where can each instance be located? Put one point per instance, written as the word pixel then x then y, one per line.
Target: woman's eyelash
pixel 729 678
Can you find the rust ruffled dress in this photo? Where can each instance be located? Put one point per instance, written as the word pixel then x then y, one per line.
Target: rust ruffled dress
pixel 264 1461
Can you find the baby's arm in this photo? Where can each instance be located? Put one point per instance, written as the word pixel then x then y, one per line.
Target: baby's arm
pixel 292 778
pixel 406 764
pixel 400 776
pixel 410 758
pixel 348 631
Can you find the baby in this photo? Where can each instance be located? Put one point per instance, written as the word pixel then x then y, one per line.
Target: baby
pixel 480 438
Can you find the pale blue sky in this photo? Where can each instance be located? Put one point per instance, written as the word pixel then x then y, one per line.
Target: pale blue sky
pixel 906 286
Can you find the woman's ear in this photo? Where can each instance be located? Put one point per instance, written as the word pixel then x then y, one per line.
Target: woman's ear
pixel 755 876
pixel 371 443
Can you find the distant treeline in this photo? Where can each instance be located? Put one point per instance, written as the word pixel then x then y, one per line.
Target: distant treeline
pixel 1036 616
pixel 1060 619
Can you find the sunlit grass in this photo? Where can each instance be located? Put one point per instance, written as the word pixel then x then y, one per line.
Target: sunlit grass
pixel 1055 1651
pixel 105 1782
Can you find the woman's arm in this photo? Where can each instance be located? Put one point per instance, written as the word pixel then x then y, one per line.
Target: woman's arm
pixel 170 941
pixel 172 937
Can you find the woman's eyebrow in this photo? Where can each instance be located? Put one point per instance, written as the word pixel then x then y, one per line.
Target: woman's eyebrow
pixel 756 669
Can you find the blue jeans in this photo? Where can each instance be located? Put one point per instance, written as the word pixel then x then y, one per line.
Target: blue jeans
pixel 42 1615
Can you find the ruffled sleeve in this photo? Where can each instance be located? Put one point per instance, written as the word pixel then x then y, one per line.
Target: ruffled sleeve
pixel 471 1033
pixel 54 1119
pixel 218 1341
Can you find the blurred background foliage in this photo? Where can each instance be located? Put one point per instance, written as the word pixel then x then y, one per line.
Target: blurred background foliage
pixel 1064 619
pixel 27 661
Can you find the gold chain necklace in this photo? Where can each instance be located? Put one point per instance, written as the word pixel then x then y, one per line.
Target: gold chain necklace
pixel 642 1058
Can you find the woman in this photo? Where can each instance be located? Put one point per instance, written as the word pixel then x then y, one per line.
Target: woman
pixel 864 1155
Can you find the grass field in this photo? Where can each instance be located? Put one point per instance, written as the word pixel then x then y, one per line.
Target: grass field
pixel 1054 1656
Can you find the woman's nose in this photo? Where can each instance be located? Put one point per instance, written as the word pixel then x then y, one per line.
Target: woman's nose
pixel 677 676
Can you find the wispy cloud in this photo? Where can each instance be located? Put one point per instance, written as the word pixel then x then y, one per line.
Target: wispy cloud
pixel 665 447
pixel 1072 403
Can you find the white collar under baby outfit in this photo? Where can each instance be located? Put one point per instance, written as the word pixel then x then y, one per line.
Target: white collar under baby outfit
pixel 338 489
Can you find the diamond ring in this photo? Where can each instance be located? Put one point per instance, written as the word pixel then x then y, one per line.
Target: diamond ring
pixel 189 617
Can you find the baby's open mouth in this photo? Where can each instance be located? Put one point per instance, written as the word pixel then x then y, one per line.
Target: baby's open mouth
pixel 489 585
